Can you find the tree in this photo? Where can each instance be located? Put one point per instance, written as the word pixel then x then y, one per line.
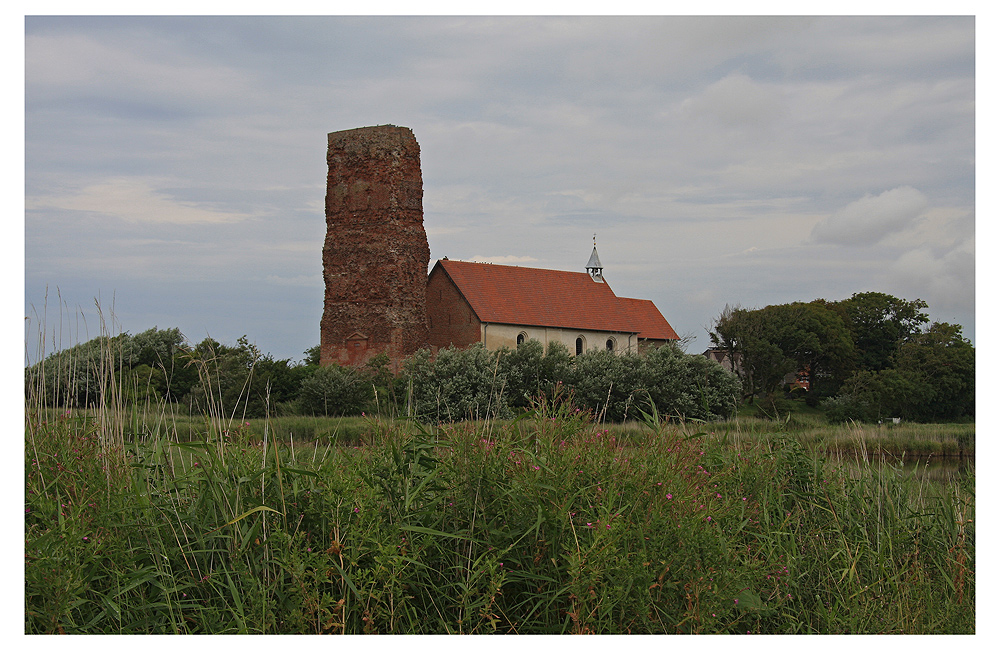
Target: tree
pixel 880 323
pixel 932 379
pixel 944 363
pixel 457 384
pixel 818 339
pixel 747 337
pixel 769 343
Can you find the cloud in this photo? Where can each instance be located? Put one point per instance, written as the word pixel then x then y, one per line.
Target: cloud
pixel 134 200
pixel 871 218
pixel 945 279
pixel 736 101
pixel 504 259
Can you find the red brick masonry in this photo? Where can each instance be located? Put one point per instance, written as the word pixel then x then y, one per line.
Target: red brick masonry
pixel 375 255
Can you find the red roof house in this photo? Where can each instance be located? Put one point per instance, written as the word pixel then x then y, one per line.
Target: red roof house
pixel 469 302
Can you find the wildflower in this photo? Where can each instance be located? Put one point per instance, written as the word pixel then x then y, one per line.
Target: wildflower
pixel 670 496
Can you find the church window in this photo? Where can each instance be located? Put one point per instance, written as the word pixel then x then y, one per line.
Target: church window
pixel 521 338
pixel 611 343
pixel 581 345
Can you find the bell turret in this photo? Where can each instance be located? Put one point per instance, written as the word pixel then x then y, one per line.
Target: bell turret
pixel 594 264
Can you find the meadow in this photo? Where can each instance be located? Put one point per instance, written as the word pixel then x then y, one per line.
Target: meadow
pixel 147 521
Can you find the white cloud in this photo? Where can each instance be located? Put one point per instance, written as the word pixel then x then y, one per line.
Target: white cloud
pixel 871 218
pixel 135 200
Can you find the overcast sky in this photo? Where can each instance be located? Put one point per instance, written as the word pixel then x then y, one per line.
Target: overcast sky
pixel 175 168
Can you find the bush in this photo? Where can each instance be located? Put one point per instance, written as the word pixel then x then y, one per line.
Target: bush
pixel 458 384
pixel 689 386
pixel 474 382
pixel 606 383
pixel 332 390
pixel 848 407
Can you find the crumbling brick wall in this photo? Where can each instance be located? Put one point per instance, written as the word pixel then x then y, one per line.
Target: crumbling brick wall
pixel 375 255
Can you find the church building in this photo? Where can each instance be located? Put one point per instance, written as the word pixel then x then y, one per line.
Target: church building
pixel 379 298
pixel 496 305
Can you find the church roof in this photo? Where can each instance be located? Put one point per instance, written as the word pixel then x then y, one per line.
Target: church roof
pixel 545 298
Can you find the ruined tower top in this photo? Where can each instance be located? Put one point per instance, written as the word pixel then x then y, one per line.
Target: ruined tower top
pixel 375 255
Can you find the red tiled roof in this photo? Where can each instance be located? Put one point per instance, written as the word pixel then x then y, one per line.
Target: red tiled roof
pixel 649 320
pixel 546 298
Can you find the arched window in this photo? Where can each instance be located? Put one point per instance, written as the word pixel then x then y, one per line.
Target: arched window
pixel 581 345
pixel 611 343
pixel 521 338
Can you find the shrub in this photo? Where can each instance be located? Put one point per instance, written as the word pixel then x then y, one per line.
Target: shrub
pixel 606 383
pixel 332 390
pixel 846 407
pixel 689 386
pixel 458 384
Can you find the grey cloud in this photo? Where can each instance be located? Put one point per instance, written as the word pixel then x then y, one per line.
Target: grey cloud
pixel 871 218
pixel 680 141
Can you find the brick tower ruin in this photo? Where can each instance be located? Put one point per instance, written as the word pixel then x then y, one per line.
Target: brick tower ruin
pixel 375 255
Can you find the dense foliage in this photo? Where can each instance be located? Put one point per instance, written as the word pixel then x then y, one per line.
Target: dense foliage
pixel 476 383
pixel 869 357
pixel 242 382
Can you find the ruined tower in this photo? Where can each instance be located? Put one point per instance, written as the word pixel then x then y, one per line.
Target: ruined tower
pixel 375 255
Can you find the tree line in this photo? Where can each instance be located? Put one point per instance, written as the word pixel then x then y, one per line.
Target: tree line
pixel 869 357
pixel 866 358
pixel 454 384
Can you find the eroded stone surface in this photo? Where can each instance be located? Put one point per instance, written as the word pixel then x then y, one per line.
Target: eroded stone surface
pixel 375 255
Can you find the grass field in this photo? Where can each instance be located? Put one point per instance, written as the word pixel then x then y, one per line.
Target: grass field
pixel 149 522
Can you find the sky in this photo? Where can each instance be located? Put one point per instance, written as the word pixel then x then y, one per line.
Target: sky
pixel 175 167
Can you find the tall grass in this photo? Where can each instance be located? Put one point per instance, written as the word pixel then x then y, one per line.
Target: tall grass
pixel 550 523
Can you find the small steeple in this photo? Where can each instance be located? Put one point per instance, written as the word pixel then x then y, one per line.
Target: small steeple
pixel 594 265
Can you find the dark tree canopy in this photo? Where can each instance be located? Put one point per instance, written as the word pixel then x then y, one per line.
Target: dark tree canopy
pixel 873 351
pixel 880 323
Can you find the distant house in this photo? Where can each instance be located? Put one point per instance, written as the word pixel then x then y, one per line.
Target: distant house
pixel 469 302
pixel 722 357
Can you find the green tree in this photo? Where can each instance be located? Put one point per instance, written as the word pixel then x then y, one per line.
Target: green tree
pixel 932 379
pixel 880 323
pixel 533 371
pixel 944 363
pixel 748 336
pixel 457 384
pixel 817 338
